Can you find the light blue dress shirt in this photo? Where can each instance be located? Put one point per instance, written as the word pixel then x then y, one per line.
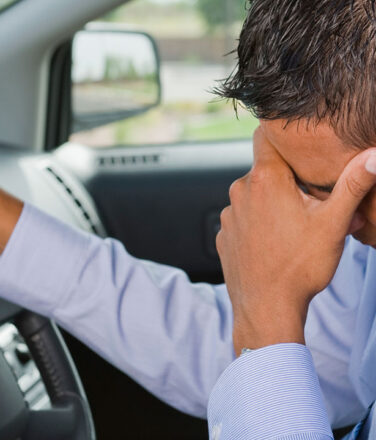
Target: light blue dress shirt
pixel 175 337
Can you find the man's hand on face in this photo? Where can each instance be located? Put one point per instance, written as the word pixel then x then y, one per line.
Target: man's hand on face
pixel 279 247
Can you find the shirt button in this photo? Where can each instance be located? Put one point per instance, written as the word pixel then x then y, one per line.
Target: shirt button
pixel 216 432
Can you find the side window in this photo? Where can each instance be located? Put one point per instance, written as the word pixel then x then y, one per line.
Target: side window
pixel 193 37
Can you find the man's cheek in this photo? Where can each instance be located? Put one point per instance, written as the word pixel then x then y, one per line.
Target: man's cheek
pixel 366 235
pixel 358 222
pixel 320 195
pixel 368 207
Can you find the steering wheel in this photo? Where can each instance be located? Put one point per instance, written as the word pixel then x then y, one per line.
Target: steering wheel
pixel 69 417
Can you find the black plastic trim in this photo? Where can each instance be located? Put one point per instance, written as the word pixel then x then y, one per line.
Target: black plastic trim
pixel 59 117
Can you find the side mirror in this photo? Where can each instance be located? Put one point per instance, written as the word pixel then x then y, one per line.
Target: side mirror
pixel 115 75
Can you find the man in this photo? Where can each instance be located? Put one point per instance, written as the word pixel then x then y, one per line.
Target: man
pixel 307 69
pixel 174 337
pixel 272 391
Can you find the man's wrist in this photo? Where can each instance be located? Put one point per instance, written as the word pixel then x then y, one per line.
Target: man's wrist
pixel 10 212
pixel 260 330
pixel 250 343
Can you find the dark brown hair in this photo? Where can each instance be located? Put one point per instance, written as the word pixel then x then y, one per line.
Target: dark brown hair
pixel 310 59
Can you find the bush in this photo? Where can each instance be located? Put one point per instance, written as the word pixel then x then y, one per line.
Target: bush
pixel 220 12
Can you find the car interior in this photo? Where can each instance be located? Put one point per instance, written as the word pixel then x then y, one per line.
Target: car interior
pixel 160 195
pixel 161 200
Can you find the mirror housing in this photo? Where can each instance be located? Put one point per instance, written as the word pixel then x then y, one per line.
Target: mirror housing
pixel 115 75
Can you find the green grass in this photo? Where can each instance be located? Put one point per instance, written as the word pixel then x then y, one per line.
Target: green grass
pixel 206 127
pixel 221 127
pixel 174 123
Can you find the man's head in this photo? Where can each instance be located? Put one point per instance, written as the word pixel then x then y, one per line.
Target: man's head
pixel 310 59
pixel 307 70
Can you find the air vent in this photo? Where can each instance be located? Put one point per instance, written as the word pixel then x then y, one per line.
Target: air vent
pixel 139 159
pixel 75 200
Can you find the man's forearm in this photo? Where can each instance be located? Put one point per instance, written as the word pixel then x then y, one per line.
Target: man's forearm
pixel 126 309
pixel 10 211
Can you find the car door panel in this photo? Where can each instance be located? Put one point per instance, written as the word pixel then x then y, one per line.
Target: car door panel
pixel 168 210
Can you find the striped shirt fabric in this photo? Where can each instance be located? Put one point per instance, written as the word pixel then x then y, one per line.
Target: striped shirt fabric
pixel 174 337
pixel 270 393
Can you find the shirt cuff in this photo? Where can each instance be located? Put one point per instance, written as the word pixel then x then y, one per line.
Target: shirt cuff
pixel 270 393
pixel 39 265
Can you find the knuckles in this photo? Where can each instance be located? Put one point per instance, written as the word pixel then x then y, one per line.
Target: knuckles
pixel 355 188
pixel 224 215
pixel 218 242
pixel 224 221
pixel 260 175
pixel 236 189
pixel 257 177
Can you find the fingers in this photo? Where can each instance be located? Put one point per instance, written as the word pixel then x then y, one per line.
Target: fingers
pixel 225 214
pixel 356 181
pixel 267 157
pixel 263 149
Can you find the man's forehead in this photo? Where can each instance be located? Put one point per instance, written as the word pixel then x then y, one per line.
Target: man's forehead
pixel 311 137
pixel 313 151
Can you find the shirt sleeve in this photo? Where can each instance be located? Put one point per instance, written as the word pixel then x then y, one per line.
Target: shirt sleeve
pixel 270 393
pixel 170 335
pixel 331 335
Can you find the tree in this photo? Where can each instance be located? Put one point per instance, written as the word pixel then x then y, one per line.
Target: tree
pixel 221 12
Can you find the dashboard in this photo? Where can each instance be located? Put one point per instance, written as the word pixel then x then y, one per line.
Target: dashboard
pixel 41 180
pixel 18 357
